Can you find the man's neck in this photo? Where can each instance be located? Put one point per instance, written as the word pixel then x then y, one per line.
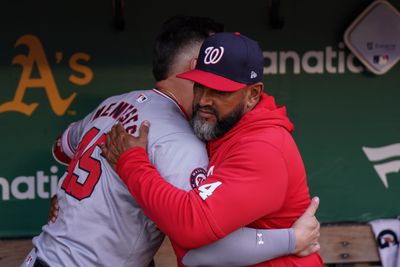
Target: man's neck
pixel 169 93
pixel 175 90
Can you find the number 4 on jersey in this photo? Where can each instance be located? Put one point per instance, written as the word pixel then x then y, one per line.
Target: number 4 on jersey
pixel 207 190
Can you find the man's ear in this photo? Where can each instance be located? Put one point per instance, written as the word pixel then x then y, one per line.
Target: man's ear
pixel 253 95
pixel 193 63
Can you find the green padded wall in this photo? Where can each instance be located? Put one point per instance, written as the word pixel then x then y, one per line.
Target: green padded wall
pixel 59 59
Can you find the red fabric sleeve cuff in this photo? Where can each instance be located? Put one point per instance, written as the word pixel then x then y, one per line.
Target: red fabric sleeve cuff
pixel 59 154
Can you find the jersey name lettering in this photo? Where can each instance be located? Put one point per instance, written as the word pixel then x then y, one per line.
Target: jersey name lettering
pixel 124 112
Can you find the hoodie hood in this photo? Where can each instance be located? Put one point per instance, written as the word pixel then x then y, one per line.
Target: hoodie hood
pixel 265 114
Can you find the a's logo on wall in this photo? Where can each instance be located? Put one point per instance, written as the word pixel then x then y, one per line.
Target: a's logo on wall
pixel 213 55
pixel 387 238
pixel 37 74
pixel 383 157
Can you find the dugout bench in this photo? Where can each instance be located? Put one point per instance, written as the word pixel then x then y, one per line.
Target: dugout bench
pixel 349 245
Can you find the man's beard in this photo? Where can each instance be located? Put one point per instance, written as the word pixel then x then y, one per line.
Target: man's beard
pixel 206 131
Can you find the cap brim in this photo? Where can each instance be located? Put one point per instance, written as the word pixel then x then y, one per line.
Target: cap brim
pixel 211 80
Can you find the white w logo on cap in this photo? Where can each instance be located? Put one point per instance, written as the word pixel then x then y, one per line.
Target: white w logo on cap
pixel 213 55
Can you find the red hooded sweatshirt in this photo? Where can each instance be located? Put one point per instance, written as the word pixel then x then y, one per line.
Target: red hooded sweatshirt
pixel 256 178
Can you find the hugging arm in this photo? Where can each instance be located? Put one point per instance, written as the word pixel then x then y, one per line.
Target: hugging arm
pixel 248 246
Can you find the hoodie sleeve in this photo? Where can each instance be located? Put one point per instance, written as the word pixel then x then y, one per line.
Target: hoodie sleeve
pixel 248 184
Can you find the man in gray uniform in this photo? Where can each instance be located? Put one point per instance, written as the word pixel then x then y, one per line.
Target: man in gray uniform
pixel 100 224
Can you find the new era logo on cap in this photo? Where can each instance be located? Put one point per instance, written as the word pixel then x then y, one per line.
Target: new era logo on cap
pixel 227 62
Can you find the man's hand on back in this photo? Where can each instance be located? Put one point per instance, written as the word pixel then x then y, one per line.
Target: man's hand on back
pixel 118 141
pixel 54 209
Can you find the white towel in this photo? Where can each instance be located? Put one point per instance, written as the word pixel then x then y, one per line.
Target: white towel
pixel 387 233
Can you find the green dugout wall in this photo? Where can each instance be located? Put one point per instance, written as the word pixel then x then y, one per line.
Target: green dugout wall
pixel 59 59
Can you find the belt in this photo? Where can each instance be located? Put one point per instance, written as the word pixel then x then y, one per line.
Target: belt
pixel 40 263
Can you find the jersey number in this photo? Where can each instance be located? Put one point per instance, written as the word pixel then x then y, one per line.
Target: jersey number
pixel 83 160
pixel 207 190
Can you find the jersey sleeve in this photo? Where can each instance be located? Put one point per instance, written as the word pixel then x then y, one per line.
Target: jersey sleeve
pixel 177 156
pixel 250 183
pixel 65 145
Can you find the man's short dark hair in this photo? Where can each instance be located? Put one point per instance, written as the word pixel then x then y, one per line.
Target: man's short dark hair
pixel 177 33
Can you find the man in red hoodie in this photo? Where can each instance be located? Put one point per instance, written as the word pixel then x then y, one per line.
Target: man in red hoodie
pixel 256 176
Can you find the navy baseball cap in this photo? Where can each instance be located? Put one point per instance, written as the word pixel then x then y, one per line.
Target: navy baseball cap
pixel 227 62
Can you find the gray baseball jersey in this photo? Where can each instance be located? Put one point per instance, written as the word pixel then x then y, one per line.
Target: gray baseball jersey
pixel 99 223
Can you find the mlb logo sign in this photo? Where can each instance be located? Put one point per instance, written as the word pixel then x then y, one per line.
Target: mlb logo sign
pixel 141 98
pixel 381 59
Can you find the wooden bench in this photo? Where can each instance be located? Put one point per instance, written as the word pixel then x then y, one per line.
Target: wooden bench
pixel 340 245
pixel 345 244
pixel 13 252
